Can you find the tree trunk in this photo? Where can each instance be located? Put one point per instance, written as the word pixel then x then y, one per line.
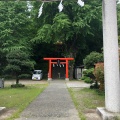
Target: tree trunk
pixel 17 80
pixel 71 65
pixel 71 71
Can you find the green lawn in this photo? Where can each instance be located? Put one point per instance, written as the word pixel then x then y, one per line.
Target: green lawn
pixel 86 100
pixel 18 98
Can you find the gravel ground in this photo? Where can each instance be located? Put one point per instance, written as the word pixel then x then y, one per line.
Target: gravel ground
pixel 9 82
pixel 53 104
pixel 77 84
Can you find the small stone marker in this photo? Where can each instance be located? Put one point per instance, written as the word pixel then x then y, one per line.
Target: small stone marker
pixel 2 109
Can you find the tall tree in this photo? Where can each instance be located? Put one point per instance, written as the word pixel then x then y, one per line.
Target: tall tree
pixel 19 64
pixel 15 28
pixel 77 28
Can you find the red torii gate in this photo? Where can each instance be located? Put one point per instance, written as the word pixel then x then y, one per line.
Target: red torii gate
pixel 52 62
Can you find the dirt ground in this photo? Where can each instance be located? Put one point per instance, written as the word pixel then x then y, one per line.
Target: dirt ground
pixel 6 113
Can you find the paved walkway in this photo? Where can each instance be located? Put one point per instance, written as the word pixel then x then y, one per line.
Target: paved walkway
pixel 53 104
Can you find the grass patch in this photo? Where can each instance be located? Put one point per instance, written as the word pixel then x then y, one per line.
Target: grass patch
pixel 19 98
pixel 86 99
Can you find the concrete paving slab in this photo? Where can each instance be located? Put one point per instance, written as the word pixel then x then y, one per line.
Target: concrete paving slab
pixel 77 84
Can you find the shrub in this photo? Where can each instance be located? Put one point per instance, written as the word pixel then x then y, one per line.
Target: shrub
pixel 83 77
pixel 89 73
pixel 88 80
pixel 99 74
pixel 92 58
pixel 19 63
pixel 94 85
pixel 17 85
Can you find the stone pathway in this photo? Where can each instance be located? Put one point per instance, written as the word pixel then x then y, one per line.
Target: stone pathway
pixel 54 103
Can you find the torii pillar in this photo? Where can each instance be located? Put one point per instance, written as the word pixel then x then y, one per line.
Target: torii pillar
pixel 111 61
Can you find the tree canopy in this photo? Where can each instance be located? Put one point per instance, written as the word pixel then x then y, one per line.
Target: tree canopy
pixel 72 26
pixel 15 33
pixel 74 32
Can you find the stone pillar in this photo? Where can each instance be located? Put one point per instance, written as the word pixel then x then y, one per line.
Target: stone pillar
pixel 111 57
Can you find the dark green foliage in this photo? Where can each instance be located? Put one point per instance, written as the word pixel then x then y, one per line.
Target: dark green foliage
pixel 79 29
pixel 25 76
pixel 17 85
pixel 87 79
pixel 15 31
pixel 74 26
pixel 92 58
pixel 18 63
pixel 14 23
pixel 90 78
pixel 83 77
pixel 89 73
